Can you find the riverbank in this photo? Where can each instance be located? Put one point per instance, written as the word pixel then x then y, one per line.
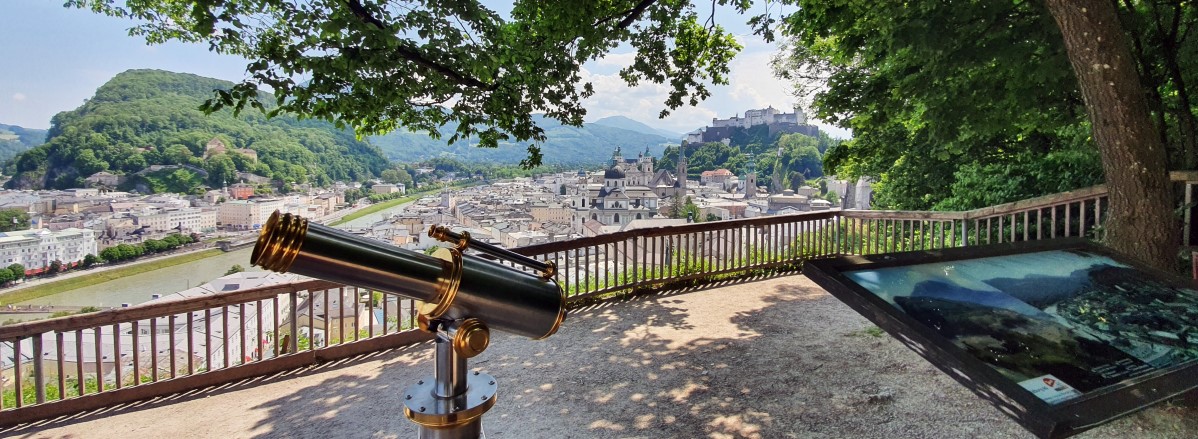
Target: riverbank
pixel 78 278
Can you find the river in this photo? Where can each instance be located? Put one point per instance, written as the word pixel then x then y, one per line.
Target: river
pixel 138 288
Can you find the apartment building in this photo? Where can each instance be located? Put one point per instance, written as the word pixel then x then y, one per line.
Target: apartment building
pixel 246 214
pixel 184 220
pixel 37 248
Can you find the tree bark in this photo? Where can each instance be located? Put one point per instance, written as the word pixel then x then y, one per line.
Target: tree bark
pixel 1140 223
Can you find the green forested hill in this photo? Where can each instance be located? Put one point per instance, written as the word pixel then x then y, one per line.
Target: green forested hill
pixel 794 157
pixel 590 144
pixel 147 117
pixel 15 139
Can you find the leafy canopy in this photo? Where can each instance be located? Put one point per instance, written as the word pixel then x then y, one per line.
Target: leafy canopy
pixel 953 105
pixel 382 65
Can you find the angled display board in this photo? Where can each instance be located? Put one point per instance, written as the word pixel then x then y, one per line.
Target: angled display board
pixel 1061 335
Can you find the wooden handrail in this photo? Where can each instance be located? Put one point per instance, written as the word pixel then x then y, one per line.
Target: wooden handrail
pixel 904 215
pixel 1044 201
pixel 156 309
pixel 609 238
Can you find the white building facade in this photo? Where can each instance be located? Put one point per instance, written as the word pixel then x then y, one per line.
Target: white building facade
pixel 36 249
pixel 247 214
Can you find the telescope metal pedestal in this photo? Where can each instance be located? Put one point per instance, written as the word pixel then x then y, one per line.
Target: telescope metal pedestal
pixel 450 404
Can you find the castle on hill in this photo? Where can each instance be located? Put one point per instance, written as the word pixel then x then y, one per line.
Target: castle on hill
pixel 721 129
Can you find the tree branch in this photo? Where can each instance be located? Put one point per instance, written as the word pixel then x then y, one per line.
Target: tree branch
pixel 412 55
pixel 635 13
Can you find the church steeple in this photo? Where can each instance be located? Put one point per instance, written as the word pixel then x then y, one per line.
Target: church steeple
pixel 750 177
pixel 680 175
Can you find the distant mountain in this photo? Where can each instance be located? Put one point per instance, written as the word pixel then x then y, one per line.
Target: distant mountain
pixel 632 125
pixel 592 144
pixel 141 118
pixel 15 140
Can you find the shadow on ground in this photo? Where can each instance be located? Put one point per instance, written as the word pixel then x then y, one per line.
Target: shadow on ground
pixel 775 358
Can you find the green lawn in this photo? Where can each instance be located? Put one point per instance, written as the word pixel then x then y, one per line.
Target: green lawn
pixel 415 195
pixel 373 208
pixel 55 287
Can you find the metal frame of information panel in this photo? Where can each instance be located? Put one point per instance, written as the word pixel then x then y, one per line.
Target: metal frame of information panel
pixel 1045 420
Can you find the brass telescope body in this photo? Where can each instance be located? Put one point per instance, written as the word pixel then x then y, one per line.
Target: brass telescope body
pixel 453 285
pixel 463 295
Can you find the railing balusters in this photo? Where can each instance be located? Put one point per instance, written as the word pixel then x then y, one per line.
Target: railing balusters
pixel 39 374
pixel 191 348
pixel 1081 219
pixel 79 381
pixel 154 349
pixel 357 315
pixel 276 338
pixel 96 332
pixel 241 333
pixel 328 316
pixel 62 373
pixel 224 335
pixel 136 348
pixel 1025 213
pixel 171 341
pixel 18 374
pixel 116 355
pixel 398 311
pixel 15 358
pixel 293 319
pixel 258 331
pixel 208 340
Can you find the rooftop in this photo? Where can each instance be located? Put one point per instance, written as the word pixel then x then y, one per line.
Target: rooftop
pixel 771 358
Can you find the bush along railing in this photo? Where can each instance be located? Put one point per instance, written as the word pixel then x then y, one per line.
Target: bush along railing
pixel 64 365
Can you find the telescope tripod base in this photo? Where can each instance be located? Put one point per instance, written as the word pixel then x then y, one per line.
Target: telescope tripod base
pixel 453 417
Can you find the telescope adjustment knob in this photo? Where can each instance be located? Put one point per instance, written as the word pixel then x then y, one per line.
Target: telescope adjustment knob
pixel 471 338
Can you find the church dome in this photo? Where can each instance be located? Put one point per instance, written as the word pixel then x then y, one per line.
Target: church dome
pixel 613 174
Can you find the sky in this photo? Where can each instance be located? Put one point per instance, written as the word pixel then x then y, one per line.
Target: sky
pixel 53 58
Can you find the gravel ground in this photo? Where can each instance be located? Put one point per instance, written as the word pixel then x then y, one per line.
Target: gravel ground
pixel 777 358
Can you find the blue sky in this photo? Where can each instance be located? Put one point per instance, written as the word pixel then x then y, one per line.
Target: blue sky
pixel 53 58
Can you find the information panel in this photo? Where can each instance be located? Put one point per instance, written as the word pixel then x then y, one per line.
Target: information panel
pixel 1061 335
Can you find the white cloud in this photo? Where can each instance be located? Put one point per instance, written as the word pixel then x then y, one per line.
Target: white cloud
pixel 751 85
pixel 19 97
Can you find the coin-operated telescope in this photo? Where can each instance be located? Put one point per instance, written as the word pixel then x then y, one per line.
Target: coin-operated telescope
pixel 464 296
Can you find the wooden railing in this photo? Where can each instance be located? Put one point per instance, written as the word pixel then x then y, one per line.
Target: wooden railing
pixel 99 359
pixel 1074 213
pixel 64 365
pixel 659 257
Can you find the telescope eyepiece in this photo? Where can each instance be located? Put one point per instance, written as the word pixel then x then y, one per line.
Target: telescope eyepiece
pixel 279 242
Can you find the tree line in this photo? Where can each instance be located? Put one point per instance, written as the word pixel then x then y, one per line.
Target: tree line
pixel 124 252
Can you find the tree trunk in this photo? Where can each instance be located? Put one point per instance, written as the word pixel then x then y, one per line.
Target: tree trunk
pixel 1141 222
